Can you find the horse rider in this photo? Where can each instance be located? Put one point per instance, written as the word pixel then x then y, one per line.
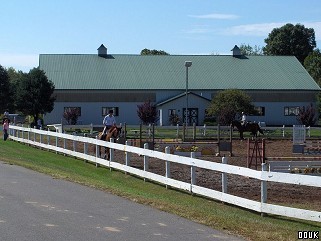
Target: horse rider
pixel 109 121
pixel 243 119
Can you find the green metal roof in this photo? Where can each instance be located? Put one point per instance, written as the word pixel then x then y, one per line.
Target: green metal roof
pixel 167 72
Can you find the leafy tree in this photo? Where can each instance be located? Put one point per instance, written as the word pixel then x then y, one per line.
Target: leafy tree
pixel 5 97
pixel 291 40
pixel 312 64
pixel 153 52
pixel 14 78
pixel 147 113
pixel 249 50
pixel 34 94
pixel 71 115
pixel 307 115
pixel 227 104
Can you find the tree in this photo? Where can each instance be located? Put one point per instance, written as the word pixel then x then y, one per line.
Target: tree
pixel 34 94
pixel 227 104
pixel 147 113
pixel 249 50
pixel 5 97
pixel 312 64
pixel 291 39
pixel 307 115
pixel 153 52
pixel 14 78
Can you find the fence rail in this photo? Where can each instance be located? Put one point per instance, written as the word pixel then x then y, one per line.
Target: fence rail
pixel 37 138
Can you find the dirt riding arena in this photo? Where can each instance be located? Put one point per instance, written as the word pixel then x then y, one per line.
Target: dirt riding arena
pixel 282 194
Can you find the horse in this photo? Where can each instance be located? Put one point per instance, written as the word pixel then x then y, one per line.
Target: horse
pixel 254 128
pixel 113 132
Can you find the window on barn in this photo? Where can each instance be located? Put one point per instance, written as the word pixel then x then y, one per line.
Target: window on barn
pixel 77 109
pixel 105 110
pixel 291 110
pixel 259 111
pixel 171 112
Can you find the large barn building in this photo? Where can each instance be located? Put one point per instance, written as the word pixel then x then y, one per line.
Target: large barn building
pixel 95 83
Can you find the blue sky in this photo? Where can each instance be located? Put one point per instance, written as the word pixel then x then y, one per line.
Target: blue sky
pixel 33 27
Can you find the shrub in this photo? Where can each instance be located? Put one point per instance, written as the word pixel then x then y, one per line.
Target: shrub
pixel 71 115
pixel 307 115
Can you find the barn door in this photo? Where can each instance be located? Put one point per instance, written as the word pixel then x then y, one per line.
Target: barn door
pixel 192 116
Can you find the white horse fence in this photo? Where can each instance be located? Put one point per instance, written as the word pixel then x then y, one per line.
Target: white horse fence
pixel 56 141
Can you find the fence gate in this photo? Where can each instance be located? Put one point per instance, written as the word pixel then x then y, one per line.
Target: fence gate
pixel 299 138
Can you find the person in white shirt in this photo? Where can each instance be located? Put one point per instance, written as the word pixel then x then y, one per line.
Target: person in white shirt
pixel 243 119
pixel 109 121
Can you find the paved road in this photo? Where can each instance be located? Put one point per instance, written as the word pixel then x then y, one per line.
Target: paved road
pixel 36 207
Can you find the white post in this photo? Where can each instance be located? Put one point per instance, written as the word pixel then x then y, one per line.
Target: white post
pixel 48 139
pixel 167 164
pixel 97 152
pixel 263 188
pixel 111 152
pixel 193 173
pixel 283 131
pixel 224 176
pixel 85 149
pixel 177 131
pixel 127 155
pixel 145 160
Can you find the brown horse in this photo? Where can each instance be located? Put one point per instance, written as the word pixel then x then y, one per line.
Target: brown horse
pixel 113 132
pixel 254 128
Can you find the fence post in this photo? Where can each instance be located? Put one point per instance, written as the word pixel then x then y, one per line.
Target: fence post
pixel 184 132
pixel 127 155
pixel 204 131
pixel 111 153
pixel 224 176
pixel 177 131
pixel 194 131
pixel 56 143
pixel 85 149
pixel 193 174
pixel 97 152
pixel 27 137
pixel 308 131
pixel 48 139
pixel 283 130
pixel 167 165
pixel 145 160
pixel 40 140
pixel 64 143
pixel 263 189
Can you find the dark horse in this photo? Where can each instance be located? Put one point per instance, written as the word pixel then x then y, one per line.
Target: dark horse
pixel 254 128
pixel 113 132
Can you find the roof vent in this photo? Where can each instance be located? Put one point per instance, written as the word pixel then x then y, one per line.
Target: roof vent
pixel 102 51
pixel 236 51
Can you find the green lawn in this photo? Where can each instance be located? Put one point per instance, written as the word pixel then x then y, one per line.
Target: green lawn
pixel 220 216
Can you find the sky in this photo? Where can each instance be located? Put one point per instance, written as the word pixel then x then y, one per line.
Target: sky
pixel 179 27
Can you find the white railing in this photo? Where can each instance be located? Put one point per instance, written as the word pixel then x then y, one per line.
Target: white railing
pixel 37 137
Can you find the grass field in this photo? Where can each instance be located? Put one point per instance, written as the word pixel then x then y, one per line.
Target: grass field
pixel 215 214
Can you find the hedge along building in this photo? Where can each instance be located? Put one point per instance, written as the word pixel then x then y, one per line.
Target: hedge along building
pixel 95 83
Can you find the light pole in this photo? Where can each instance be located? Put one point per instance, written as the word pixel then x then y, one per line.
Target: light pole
pixel 187 65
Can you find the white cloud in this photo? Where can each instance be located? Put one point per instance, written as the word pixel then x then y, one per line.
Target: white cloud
pixel 22 62
pixel 263 29
pixel 215 16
